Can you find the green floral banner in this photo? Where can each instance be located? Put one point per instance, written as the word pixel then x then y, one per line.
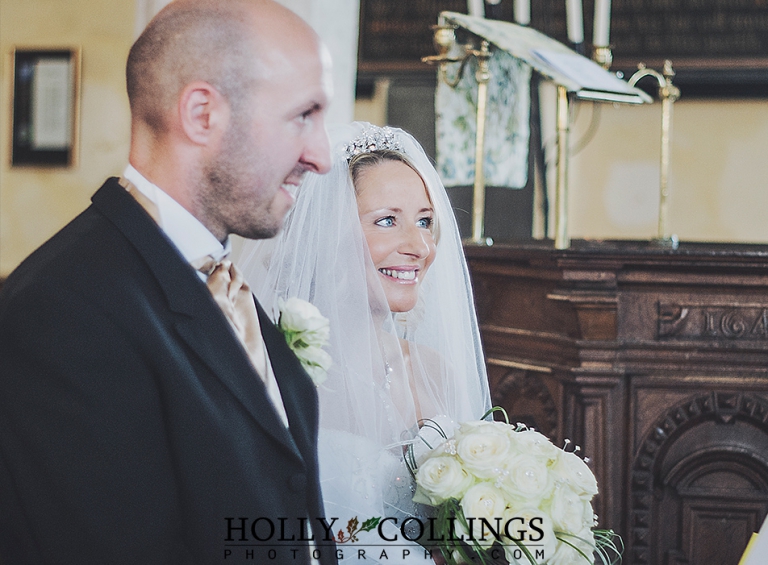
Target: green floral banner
pixel 507 127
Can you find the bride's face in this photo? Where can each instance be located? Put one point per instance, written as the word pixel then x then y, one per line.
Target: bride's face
pixel 397 217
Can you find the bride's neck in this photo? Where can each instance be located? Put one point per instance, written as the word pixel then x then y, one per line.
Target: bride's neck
pixel 397 354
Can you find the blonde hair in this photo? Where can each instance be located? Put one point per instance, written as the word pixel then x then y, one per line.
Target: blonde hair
pixel 362 161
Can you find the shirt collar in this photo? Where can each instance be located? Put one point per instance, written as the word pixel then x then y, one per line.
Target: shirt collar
pixel 191 237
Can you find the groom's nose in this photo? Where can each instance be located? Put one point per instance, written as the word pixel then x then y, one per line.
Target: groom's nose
pixel 317 152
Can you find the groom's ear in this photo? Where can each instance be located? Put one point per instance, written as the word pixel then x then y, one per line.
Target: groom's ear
pixel 203 113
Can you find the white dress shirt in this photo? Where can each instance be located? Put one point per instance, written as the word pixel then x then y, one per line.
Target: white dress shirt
pixel 191 238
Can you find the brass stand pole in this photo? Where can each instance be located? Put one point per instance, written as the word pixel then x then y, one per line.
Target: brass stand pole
pixel 482 75
pixel 445 40
pixel 668 94
pixel 666 126
pixel 562 241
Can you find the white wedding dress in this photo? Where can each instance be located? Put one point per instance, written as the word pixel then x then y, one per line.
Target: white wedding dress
pixel 354 472
pixel 359 480
pixel 375 396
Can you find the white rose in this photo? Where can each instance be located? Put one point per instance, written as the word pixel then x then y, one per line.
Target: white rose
pixel 484 448
pixel 483 500
pixel 479 425
pixel 526 479
pixel 317 374
pixel 300 316
pixel 567 555
pixel 570 468
pixel 316 363
pixel 307 332
pixel 315 357
pixel 534 443
pixel 570 512
pixel 533 528
pixel 440 478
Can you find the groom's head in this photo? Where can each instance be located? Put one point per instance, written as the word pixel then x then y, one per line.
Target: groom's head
pixel 228 100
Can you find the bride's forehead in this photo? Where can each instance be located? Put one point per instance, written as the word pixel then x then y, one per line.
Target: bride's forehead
pixel 394 180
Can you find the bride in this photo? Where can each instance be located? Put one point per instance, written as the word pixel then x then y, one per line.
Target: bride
pixel 375 246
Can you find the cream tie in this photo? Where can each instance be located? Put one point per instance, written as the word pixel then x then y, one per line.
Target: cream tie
pixel 233 295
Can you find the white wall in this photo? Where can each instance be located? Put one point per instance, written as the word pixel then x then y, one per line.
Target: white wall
pixel 718 183
pixel 336 22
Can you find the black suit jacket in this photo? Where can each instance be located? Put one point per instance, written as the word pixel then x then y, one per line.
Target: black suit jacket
pixel 133 428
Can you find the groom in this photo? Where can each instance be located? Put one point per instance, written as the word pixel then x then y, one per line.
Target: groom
pixel 136 424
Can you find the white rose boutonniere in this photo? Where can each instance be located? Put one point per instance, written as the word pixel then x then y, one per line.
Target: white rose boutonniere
pixel 307 331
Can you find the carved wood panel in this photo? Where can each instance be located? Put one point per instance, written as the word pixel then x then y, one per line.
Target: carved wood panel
pixel 699 481
pixel 656 362
pixel 525 397
pixel 695 320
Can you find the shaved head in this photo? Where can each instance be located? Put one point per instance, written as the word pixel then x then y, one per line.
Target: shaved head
pixel 228 101
pixel 215 41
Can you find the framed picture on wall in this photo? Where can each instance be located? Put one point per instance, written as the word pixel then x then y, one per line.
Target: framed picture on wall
pixel 46 98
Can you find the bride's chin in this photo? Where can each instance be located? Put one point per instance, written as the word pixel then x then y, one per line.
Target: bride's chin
pixel 395 304
pixel 400 306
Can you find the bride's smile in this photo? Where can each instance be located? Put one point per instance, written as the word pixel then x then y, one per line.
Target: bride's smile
pixel 397 218
pixel 406 275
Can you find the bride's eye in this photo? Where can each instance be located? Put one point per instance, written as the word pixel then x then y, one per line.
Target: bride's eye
pixel 425 222
pixel 386 222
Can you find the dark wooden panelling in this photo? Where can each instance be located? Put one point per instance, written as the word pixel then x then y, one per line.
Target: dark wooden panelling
pixel 655 361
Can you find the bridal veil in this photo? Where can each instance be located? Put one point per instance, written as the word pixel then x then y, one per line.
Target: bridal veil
pixel 370 404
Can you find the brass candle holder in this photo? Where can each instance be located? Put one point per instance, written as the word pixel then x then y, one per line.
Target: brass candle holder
pixel 603 56
pixel 445 42
pixel 668 93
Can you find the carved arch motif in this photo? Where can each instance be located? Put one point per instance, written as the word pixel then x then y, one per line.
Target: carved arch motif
pixel 719 407
pixel 525 396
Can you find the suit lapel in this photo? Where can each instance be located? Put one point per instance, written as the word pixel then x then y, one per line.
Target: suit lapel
pixel 200 322
pixel 228 361
pixel 296 387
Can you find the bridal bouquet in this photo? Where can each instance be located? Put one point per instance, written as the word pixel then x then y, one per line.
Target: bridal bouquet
pixel 307 331
pixel 504 491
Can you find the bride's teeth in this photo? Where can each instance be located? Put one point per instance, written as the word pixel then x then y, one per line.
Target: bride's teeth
pixel 401 275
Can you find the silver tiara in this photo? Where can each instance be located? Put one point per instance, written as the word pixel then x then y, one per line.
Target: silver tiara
pixel 373 138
